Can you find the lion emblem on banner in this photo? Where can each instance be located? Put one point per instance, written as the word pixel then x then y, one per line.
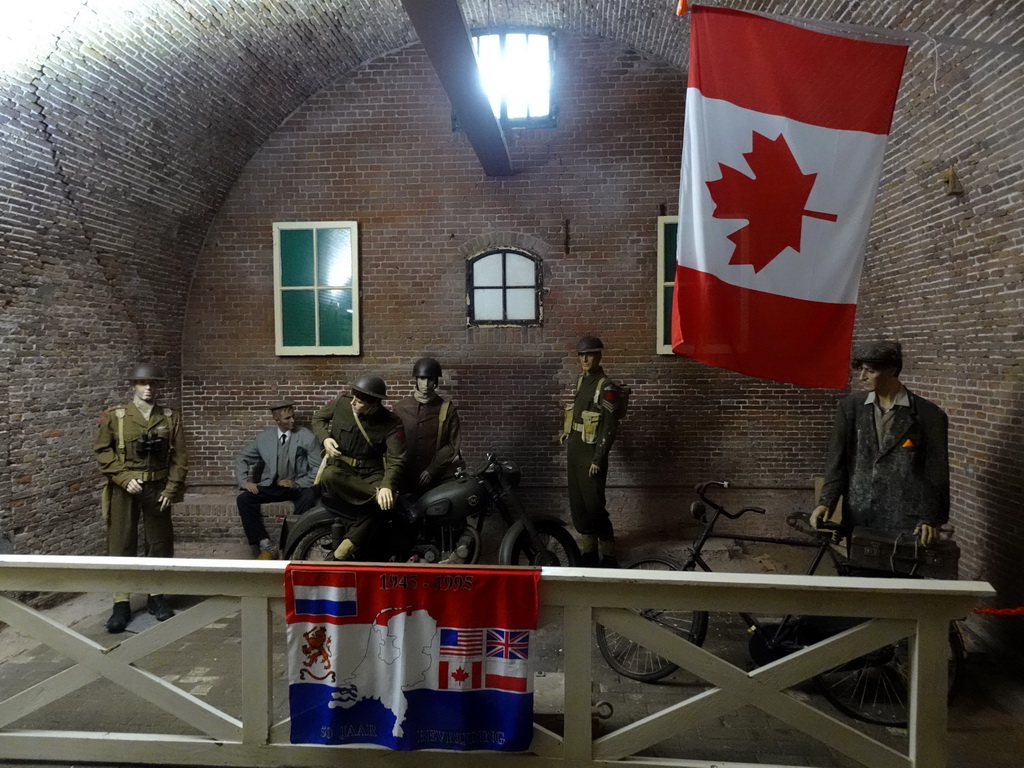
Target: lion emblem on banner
pixel 317 650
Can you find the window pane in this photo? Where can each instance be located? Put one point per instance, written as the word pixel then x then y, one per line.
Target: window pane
pixel 297 257
pixel 335 318
pixel 298 322
pixel 334 257
pixel 522 304
pixel 539 70
pixel 487 271
pixel 519 270
pixel 487 304
pixel 669 264
pixel 488 51
pixel 517 94
pixel 666 326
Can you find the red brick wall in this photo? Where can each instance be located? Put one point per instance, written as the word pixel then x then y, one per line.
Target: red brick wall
pixel 377 148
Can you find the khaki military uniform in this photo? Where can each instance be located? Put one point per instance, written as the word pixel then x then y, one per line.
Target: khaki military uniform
pixel 591 431
pixel 367 462
pixel 161 470
pixel 433 438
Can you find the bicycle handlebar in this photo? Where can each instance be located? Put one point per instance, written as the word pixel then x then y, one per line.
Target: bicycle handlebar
pixel 702 493
pixel 801 521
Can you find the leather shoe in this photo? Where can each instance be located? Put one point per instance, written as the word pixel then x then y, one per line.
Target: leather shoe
pixel 120 618
pixel 159 607
pixel 588 560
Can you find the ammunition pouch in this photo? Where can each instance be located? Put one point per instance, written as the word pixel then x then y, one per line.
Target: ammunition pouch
pixel 567 420
pixel 588 428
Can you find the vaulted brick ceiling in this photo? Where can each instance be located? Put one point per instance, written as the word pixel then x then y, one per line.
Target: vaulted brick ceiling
pixel 142 113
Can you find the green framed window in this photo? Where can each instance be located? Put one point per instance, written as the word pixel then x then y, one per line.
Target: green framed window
pixel 668 229
pixel 316 287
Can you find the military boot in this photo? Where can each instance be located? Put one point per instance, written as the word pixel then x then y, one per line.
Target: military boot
pixel 159 607
pixel 120 618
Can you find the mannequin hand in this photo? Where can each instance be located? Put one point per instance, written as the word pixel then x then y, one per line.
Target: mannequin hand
pixel 425 478
pixel 251 487
pixel 929 534
pixel 562 438
pixel 595 470
pixel 385 498
pixel 165 503
pixel 286 483
pixel 134 486
pixel 821 514
pixel 331 446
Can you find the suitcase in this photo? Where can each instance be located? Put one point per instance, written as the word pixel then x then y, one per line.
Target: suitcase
pixel 901 553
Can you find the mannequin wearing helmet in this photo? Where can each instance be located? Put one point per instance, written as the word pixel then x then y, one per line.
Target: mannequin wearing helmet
pixel 590 426
pixel 432 430
pixel 364 446
pixel 140 447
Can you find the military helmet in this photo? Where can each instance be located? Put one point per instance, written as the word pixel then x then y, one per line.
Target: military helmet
pixel 146 372
pixel 371 386
pixel 589 344
pixel 426 368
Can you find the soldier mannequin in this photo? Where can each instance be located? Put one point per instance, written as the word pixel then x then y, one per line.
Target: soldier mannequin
pixel 432 431
pixel 591 424
pixel 888 456
pixel 364 445
pixel 141 450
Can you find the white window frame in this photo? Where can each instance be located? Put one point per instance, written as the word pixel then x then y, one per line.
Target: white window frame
pixel 664 281
pixel 350 349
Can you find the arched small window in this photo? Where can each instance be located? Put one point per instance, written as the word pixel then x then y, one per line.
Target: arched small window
pixel 503 288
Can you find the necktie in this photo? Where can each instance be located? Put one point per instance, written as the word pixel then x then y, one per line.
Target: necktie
pixel 282 459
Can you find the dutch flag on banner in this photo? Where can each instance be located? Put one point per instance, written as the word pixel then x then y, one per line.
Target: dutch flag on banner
pixel 783 142
pixel 411 657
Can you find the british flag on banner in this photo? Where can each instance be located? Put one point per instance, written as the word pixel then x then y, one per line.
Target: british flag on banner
pixel 783 142
pixel 411 657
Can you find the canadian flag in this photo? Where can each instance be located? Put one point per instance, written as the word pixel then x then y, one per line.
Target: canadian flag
pixel 782 152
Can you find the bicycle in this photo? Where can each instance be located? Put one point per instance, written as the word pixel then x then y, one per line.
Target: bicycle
pixel 872 688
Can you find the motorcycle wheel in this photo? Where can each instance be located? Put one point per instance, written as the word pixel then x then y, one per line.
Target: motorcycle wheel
pixel 315 545
pixel 559 547
pixel 875 687
pixel 630 659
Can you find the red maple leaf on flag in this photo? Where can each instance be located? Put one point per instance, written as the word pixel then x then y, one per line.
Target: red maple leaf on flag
pixel 772 202
pixel 460 675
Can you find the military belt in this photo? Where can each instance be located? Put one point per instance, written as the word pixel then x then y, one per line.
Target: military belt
pixel 146 477
pixel 351 461
pixel 577 427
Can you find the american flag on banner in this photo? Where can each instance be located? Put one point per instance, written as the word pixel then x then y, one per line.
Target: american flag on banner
pixel 783 142
pixel 411 657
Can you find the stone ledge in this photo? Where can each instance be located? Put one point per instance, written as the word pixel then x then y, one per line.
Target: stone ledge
pixel 214 517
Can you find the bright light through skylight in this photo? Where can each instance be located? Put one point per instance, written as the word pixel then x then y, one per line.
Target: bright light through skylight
pixel 516 70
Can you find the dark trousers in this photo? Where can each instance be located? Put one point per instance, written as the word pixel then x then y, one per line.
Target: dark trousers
pixel 587 494
pixel 249 507
pixel 123 527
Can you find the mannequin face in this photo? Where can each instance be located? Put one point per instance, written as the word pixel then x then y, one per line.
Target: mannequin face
pixel 880 380
pixel 285 419
pixel 425 386
pixel 145 390
pixel 361 407
pixel 589 361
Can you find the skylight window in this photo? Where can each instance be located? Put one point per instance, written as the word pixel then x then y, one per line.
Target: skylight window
pixel 516 68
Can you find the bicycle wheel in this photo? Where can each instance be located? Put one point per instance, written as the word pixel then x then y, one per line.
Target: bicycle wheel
pixel 629 658
pixel 875 688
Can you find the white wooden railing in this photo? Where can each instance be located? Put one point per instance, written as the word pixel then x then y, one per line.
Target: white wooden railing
pixel 572 598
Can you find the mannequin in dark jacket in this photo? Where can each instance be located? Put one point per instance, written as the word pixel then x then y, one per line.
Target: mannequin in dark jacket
pixel 888 456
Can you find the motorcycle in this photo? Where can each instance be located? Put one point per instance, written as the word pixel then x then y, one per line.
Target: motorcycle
pixel 444 525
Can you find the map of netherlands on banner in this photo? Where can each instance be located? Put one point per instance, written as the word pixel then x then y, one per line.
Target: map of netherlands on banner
pixel 411 657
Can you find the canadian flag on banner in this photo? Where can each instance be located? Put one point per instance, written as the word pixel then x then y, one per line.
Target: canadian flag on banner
pixel 782 151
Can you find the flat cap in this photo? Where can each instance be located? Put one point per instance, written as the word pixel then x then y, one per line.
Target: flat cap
pixel 884 354
pixel 281 403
